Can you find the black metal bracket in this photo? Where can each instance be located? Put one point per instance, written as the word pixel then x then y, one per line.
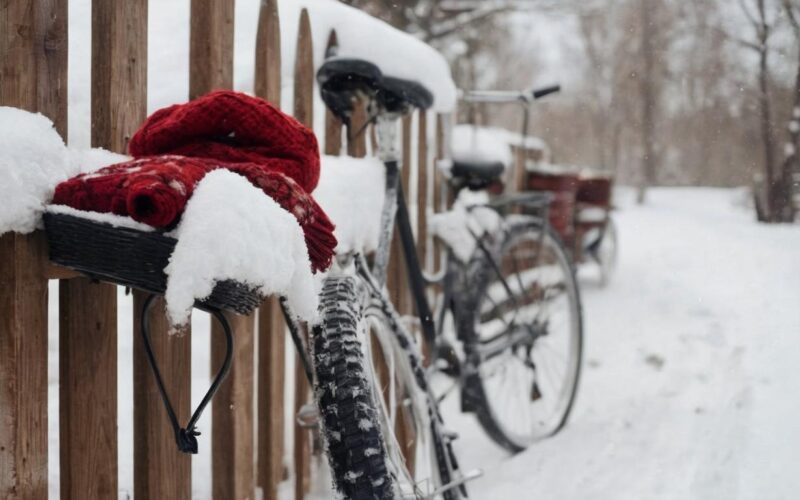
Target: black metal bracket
pixel 186 437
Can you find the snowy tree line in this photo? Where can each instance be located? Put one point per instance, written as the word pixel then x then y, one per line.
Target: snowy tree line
pixel 666 92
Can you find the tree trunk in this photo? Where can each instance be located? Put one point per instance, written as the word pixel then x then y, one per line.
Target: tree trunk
pixel 648 100
pixel 791 165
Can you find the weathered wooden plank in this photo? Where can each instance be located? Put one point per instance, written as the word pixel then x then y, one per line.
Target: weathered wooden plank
pixel 271 381
pixel 88 327
pixel 304 112
pixel 422 188
pixel 119 70
pixel 268 53
pixel 438 187
pixel 396 276
pixel 333 127
pixel 54 272
pixel 271 327
pixel 210 46
pixel 33 62
pixel 159 469
pixel 23 367
pixel 357 144
pixel 232 433
pixel 119 97
pixel 232 425
pixel 304 73
pixel 33 58
pixel 88 389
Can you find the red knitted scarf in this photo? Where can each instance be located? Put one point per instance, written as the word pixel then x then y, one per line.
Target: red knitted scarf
pixel 177 146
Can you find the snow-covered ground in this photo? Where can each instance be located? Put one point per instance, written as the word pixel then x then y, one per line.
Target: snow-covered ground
pixel 690 386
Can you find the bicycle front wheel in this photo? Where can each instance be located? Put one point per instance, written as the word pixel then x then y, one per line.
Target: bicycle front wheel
pixel 524 336
pixel 379 422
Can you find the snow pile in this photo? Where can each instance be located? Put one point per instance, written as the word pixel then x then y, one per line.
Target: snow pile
pixel 468 218
pixel 33 160
pixel 88 160
pixel 362 36
pixel 351 191
pixel 481 144
pixel 231 231
pixel 103 218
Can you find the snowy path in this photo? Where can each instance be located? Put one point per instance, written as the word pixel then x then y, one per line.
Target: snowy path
pixel 690 387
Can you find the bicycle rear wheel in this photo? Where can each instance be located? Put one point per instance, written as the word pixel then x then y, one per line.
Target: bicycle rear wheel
pixel 523 336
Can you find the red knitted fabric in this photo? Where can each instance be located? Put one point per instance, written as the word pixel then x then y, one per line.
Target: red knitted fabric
pixel 232 127
pixel 155 189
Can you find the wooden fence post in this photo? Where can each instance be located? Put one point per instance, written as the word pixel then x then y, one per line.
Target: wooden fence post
pixel 88 322
pixel 357 146
pixel 210 46
pixel 422 188
pixel 439 186
pixel 33 61
pixel 396 277
pixel 304 112
pixel 271 325
pixel 333 127
pixel 232 425
pixel 119 88
pixel 88 389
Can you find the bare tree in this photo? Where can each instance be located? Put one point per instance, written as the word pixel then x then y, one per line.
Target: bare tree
pixel 776 206
pixel 791 165
pixel 647 89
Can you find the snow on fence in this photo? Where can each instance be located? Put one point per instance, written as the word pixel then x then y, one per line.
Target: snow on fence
pixel 247 422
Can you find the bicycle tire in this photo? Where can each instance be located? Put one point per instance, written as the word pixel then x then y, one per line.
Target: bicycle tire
pixel 475 393
pixel 349 421
pixel 361 445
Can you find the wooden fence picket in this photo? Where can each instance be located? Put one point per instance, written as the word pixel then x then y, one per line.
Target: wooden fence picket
pixel 271 326
pixel 32 79
pixel 333 127
pixel 233 427
pixel 88 317
pixel 304 112
pixel 396 278
pixel 357 145
pixel 439 187
pixel 422 188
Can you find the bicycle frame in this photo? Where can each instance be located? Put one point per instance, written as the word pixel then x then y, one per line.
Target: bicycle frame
pixel 395 214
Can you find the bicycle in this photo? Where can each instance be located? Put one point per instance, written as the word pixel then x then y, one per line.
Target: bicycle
pixel 377 409
pixel 583 220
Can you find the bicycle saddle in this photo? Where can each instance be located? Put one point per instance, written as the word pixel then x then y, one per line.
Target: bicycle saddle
pixel 477 174
pixel 341 79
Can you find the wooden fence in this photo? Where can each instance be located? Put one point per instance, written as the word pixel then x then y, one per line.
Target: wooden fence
pixel 248 446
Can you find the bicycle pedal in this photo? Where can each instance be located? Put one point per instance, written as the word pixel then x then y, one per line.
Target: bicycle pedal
pixel 450 435
pixel 308 416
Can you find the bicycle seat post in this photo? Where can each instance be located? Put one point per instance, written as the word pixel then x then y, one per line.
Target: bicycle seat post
pixel 386 132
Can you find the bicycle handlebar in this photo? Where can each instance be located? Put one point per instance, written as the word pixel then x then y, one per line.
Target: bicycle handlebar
pixel 509 96
pixel 545 91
